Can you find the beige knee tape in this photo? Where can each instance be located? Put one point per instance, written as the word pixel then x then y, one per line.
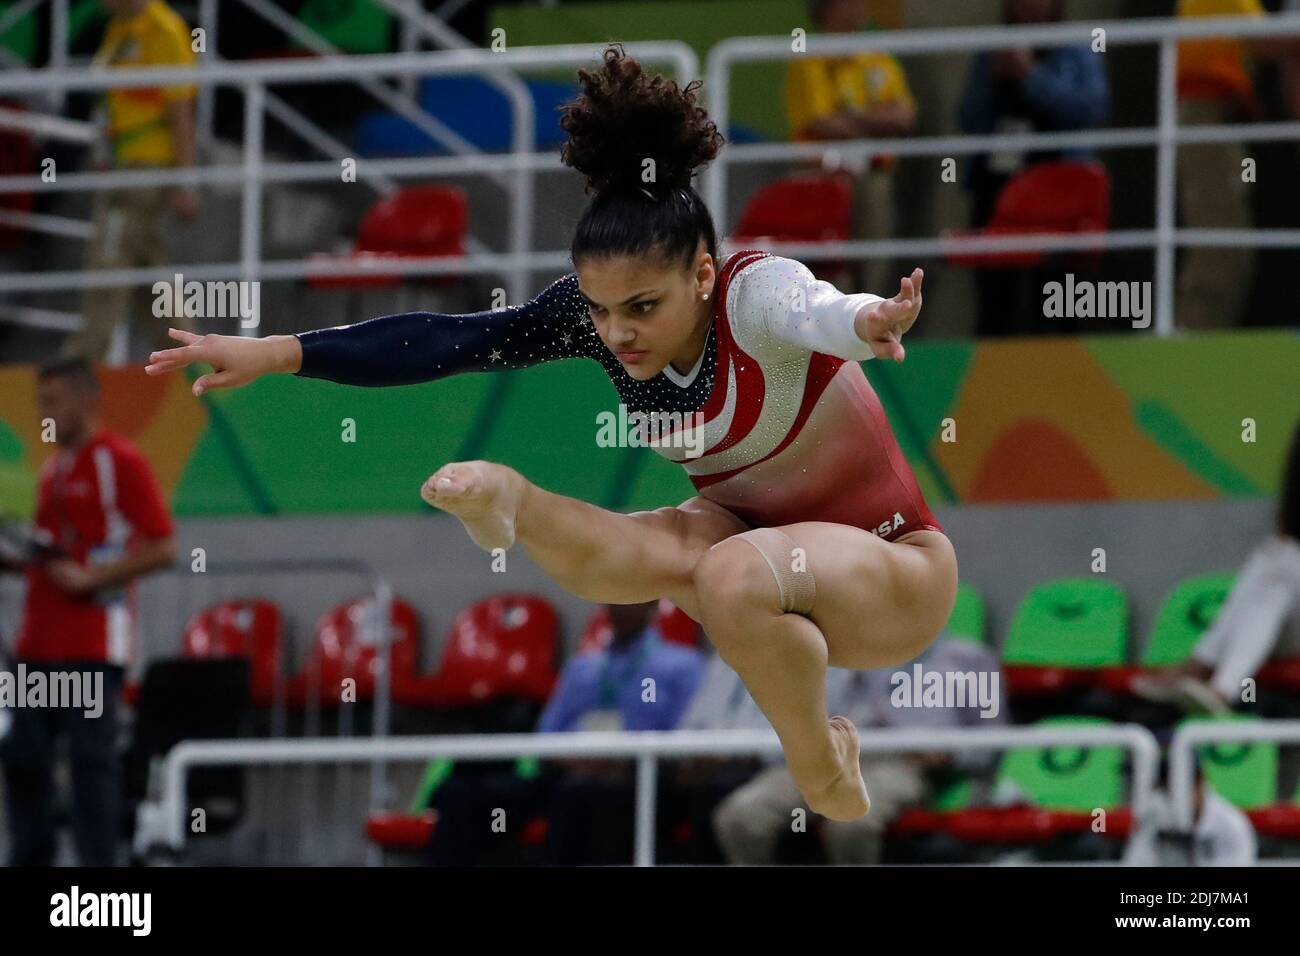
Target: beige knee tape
pixel 797 588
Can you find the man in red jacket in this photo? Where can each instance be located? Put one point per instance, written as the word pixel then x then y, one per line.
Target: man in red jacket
pixel 100 524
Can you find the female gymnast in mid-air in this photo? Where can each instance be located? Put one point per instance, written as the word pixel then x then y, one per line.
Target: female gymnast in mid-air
pixel 809 544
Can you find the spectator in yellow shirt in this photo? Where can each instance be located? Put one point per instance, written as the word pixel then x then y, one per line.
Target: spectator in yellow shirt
pixel 861 96
pixel 147 127
pixel 1214 86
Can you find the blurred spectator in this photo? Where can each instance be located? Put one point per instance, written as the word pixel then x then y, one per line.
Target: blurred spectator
pixel 1214 86
pixel 148 128
pixel 638 682
pixel 750 821
pixel 1024 91
pixel 101 522
pixel 861 96
pixel 1260 618
pixel 1222 835
pixel 699 784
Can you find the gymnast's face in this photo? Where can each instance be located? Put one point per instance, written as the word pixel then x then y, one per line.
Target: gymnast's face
pixel 649 313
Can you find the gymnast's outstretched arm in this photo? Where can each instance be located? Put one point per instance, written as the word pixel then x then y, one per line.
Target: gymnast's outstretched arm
pixel 398 349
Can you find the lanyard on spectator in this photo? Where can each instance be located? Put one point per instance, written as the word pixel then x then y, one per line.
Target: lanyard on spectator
pixel 608 689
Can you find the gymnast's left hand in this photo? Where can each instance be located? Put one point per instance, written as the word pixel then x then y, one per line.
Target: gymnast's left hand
pixel 882 324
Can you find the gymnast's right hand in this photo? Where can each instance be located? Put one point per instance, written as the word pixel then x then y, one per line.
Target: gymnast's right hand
pixel 235 360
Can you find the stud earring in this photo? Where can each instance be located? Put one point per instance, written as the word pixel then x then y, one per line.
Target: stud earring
pixel 706 297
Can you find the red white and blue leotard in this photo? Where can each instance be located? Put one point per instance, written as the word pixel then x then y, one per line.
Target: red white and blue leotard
pixel 791 429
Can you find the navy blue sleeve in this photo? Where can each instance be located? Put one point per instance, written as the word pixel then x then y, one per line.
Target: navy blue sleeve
pixel 423 346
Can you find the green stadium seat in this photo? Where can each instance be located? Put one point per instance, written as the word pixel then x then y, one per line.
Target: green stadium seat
pixel 1245 774
pixel 967 620
pixel 20 39
pixel 1066 778
pixel 1190 608
pixel 85 15
pixel 1063 633
pixel 353 26
pixel 1186 613
pixel 1060 789
pixel 955 796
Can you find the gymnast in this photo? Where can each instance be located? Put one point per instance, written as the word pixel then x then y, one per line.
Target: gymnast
pixel 809 544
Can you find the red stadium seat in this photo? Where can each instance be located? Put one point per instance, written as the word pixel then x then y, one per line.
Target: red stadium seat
pixel 805 208
pixel 249 627
pixel 1009 826
pixel 1119 680
pixel 915 821
pixel 401 831
pixel 419 222
pixel 412 831
pixel 1281 821
pixel 534 832
pixel 1035 680
pixel 1281 674
pixel 1061 197
pixel 1015 825
pixel 343 649
pixel 671 621
pixel 503 646
pixel 816 207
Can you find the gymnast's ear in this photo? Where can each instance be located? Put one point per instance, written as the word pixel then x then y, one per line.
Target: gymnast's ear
pixel 705 273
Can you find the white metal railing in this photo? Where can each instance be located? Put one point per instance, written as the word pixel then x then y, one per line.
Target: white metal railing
pixel 253 79
pixel 647 748
pixel 1166 136
pixel 1182 753
pixel 308 131
pixel 523 164
pixel 402 103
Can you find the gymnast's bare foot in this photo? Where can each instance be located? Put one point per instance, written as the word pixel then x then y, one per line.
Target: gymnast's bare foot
pixel 845 797
pixel 484 496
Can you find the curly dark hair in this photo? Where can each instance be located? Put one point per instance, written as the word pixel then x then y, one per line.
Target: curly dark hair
pixel 625 117
pixel 638 139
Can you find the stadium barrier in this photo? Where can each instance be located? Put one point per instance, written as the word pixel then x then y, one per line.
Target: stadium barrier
pixel 1166 136
pixel 647 748
pixel 253 78
pixel 520 263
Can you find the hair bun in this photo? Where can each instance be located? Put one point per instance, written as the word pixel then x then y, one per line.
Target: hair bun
pixel 632 130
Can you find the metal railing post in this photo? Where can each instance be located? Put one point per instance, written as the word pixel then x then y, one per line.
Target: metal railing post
pixel 647 782
pixel 382 716
pixel 718 68
pixel 1166 173
pixel 250 232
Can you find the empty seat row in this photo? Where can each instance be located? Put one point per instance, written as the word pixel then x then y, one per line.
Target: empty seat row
pixel 505 646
